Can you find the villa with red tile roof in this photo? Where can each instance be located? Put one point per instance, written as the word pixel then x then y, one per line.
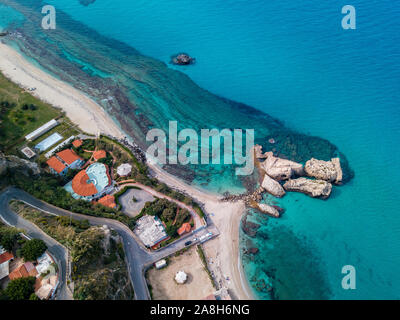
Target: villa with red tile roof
pixel 185 228
pixel 23 271
pixel 5 258
pixel 91 183
pixel 57 166
pixel 70 158
pixel 64 160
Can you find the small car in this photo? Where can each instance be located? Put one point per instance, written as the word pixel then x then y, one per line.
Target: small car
pixel 188 243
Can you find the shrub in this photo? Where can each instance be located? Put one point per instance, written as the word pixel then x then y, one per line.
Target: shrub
pixel 33 249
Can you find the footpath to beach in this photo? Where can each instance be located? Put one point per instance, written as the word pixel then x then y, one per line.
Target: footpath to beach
pixel 91 118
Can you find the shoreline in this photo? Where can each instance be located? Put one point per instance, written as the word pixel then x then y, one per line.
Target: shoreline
pixel 92 118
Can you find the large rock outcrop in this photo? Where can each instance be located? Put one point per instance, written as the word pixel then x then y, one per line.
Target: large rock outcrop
pixel 314 188
pixel 281 169
pixel 273 187
pixel 13 162
pixel 324 170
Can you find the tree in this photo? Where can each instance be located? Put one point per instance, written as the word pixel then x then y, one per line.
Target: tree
pixel 33 249
pixel 20 289
pixel 33 296
pixel 8 237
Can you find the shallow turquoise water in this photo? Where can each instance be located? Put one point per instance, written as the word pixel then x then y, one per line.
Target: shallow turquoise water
pixel 293 60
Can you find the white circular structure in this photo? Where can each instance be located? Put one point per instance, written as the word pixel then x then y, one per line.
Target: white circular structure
pixel 180 277
pixel 124 169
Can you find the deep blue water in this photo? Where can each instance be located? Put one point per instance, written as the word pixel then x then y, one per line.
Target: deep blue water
pixel 293 60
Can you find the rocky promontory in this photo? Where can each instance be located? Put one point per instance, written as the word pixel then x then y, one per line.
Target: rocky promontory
pixel 314 188
pixel 13 162
pixel 324 170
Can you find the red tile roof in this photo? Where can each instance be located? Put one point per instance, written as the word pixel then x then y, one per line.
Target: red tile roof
pixel 81 186
pixel 99 154
pixel 22 271
pixel 185 228
pixel 56 164
pixel 6 256
pixel 77 143
pixel 68 156
pixel 108 201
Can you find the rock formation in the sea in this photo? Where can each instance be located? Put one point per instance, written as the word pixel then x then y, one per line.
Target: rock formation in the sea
pixel 324 170
pixel 3 34
pixel 314 188
pixel 272 186
pixel 253 250
pixel 249 228
pixel 270 210
pixel 281 169
pixel 182 59
pixel 258 152
pixel 13 162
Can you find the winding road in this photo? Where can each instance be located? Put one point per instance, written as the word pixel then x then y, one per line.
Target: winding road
pixel 138 258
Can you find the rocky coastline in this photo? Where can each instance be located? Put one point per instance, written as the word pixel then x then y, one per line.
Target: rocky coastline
pixel 279 176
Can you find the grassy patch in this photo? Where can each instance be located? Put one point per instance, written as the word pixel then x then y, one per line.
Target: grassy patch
pixel 20 114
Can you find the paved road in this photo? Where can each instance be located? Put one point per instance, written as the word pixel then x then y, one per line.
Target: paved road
pixel 58 251
pixel 137 257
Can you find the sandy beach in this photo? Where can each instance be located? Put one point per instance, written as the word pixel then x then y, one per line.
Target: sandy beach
pixel 223 251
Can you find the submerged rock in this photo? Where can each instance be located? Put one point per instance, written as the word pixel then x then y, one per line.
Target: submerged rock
pixel 273 187
pixel 325 170
pixel 270 210
pixel 314 188
pixel 281 169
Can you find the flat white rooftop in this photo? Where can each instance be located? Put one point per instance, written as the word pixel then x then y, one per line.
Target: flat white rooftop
pixel 42 130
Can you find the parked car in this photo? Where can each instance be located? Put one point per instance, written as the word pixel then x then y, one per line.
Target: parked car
pixel 188 243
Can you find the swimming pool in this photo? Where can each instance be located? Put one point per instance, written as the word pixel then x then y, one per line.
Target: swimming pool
pixel 48 142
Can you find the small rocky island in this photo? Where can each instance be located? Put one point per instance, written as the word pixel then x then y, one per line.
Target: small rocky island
pixel 3 34
pixel 182 59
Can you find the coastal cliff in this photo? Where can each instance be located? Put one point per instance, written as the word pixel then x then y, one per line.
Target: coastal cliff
pixel 13 162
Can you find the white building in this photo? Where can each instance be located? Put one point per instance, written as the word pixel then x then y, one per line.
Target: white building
pixel 160 264
pixel 181 277
pixel 41 130
pixel 124 170
pixel 150 230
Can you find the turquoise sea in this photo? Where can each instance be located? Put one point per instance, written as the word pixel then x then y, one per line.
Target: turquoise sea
pixel 292 60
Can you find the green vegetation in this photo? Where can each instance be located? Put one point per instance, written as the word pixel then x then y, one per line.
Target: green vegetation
pixel 48 187
pixel 9 237
pixel 98 268
pixel 169 213
pixel 20 114
pixel 33 249
pixel 20 289
pixel 204 261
